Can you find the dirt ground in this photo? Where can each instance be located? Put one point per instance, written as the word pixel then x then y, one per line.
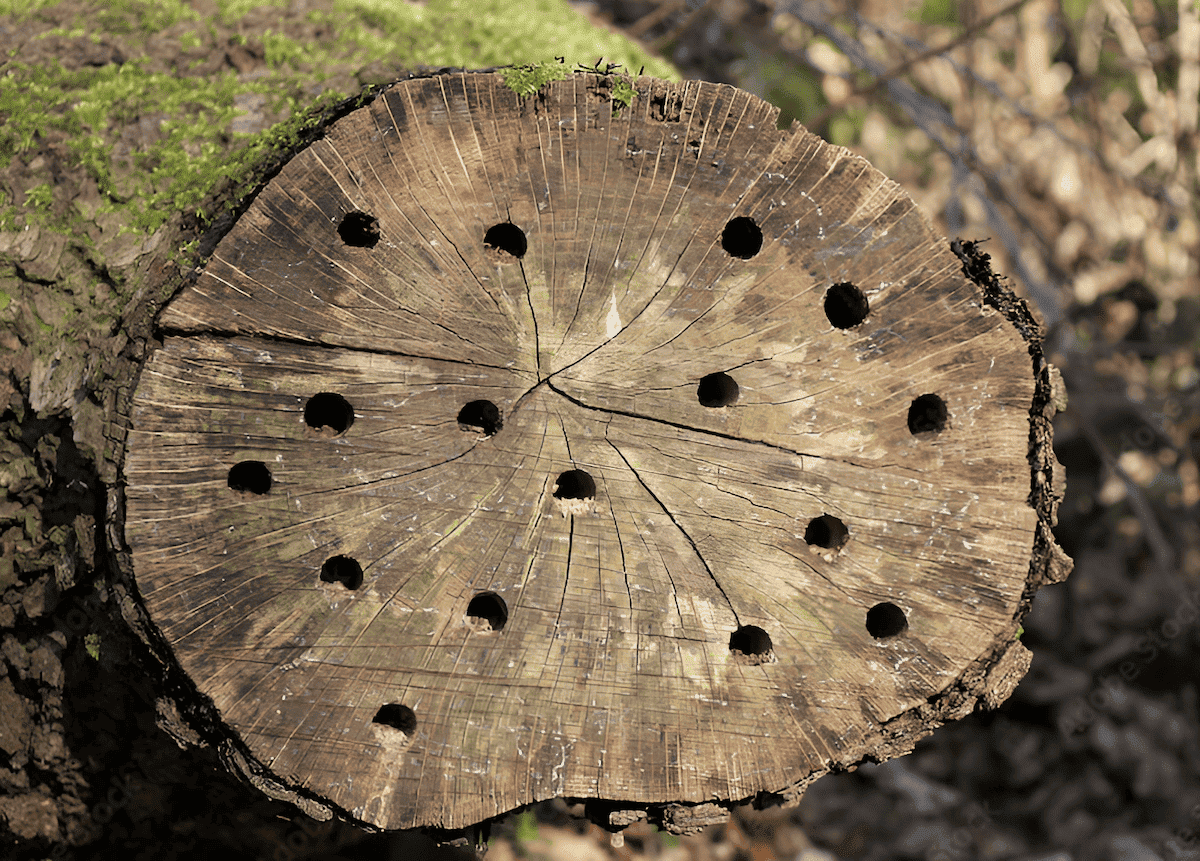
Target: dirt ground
pixel 1065 134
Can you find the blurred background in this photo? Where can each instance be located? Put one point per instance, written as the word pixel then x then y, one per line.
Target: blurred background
pixel 1061 133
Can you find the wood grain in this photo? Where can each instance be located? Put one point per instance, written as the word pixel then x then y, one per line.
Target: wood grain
pixel 613 676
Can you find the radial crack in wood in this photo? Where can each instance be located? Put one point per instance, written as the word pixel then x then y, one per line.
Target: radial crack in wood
pixel 514 449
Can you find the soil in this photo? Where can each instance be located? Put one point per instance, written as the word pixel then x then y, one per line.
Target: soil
pixel 1096 754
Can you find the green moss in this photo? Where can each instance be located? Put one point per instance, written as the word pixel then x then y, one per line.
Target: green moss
pixel 622 94
pixel 190 41
pixel 145 17
pixel 91 643
pixel 527 79
pixel 23 8
pixel 485 33
pixel 40 197
pixel 189 152
pixel 280 50
pixel 43 327
pixel 87 108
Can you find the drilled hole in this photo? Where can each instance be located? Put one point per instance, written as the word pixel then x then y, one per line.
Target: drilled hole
pixel 480 416
pixel 751 643
pixel 397 717
pixel 488 608
pixel 927 414
pixel 359 229
pixel 250 476
pixel 826 531
pixel 742 237
pixel 885 620
pixel 328 410
pixel 717 390
pixel 845 305
pixel 508 238
pixel 575 484
pixel 344 570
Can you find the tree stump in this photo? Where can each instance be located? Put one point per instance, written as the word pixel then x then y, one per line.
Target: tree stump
pixel 628 450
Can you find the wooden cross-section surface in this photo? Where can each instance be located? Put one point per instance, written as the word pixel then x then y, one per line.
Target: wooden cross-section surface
pixel 508 449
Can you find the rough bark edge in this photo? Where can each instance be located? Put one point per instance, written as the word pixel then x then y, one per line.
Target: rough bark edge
pixel 191 718
pixel 183 712
pixel 1048 563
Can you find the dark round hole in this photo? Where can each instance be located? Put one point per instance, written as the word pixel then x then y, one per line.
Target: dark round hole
pixel 717 390
pixel 250 476
pixel 328 410
pixel 845 305
pixel 827 531
pixel 480 416
pixel 359 229
pixel 742 237
pixel 575 484
pixel 490 608
pixel 750 640
pixel 885 620
pixel 396 716
pixel 507 237
pixel 344 570
pixel 927 413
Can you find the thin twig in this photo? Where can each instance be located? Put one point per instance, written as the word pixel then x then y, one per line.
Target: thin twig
pixel 651 20
pixel 929 53
pixel 660 44
pixel 1188 101
pixel 1160 547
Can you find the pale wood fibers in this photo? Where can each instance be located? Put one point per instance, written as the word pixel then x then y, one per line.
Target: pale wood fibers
pixel 613 676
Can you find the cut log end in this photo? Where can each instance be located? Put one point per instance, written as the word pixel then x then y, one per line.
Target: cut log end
pixel 509 449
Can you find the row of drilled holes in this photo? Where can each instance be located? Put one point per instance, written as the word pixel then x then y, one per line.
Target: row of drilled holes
pixel 331 412
pixel 487 609
pixel 253 476
pixel 741 238
pixel 490 610
pixel 749 644
pixel 926 414
pixel 846 306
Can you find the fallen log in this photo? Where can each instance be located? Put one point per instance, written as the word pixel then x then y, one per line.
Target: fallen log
pixel 608 443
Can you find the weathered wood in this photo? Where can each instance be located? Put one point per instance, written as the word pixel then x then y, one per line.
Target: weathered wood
pixel 720 481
